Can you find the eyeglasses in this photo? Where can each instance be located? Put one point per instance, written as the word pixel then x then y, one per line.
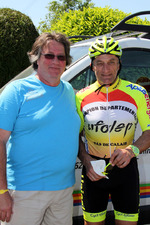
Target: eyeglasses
pixel 52 56
pixel 107 169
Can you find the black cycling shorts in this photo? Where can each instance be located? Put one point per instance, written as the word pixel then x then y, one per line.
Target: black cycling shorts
pixel 122 186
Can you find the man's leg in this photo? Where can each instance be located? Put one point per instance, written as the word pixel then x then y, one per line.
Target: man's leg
pixel 61 208
pixel 29 207
pixel 95 223
pixel 119 222
pixel 95 197
pixel 125 196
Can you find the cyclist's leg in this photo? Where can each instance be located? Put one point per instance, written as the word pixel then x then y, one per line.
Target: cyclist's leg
pixel 125 196
pixel 119 222
pixel 96 223
pixel 94 200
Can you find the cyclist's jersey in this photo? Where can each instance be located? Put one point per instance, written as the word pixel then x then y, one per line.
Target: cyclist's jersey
pixel 111 115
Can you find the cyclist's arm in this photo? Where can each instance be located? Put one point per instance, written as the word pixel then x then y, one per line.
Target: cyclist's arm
pixel 143 142
pixel 122 157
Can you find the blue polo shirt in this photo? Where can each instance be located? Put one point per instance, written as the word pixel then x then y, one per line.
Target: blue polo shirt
pixel 44 125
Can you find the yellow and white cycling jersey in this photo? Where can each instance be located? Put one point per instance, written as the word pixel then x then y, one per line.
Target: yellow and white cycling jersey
pixel 110 116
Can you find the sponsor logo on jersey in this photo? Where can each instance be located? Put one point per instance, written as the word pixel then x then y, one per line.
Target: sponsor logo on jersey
pixel 136 87
pixel 148 104
pixel 105 128
pixel 111 144
pixel 111 107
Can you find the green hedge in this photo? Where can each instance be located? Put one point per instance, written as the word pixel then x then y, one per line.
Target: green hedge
pixel 17 35
pixel 91 21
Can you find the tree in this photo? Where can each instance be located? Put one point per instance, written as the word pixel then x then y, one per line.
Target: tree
pixel 56 10
pixel 91 21
pixel 17 34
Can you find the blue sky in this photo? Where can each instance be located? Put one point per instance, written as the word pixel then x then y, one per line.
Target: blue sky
pixel 36 9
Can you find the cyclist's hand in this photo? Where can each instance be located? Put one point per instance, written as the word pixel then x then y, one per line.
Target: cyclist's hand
pixel 121 157
pixel 92 175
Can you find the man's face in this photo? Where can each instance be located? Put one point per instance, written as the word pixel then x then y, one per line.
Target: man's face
pixel 106 67
pixel 50 70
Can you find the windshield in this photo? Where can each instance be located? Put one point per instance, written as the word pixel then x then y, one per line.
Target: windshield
pixel 78 52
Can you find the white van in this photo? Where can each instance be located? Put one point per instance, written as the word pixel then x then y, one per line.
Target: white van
pixel 135 68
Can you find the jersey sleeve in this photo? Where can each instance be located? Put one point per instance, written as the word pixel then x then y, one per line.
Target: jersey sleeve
pixel 143 112
pixel 78 104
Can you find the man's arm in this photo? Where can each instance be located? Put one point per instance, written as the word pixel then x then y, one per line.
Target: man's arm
pixel 143 142
pixel 5 199
pixel 122 157
pixel 85 159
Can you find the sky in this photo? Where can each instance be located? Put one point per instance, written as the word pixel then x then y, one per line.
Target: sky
pixel 36 9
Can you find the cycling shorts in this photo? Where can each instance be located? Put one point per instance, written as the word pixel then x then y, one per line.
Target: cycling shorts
pixel 123 188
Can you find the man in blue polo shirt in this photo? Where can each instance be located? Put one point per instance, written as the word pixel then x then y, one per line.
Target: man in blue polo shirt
pixel 40 127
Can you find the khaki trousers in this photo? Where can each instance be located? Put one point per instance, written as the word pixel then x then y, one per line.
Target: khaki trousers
pixel 42 207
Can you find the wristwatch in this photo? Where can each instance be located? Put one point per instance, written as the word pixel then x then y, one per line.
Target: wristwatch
pixel 135 150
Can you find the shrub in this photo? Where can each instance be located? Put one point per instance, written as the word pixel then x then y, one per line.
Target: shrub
pixel 17 35
pixel 91 21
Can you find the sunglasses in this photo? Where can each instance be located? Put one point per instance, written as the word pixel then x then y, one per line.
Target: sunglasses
pixel 52 56
pixel 108 169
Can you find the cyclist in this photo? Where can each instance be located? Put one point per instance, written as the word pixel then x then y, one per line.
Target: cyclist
pixel 111 109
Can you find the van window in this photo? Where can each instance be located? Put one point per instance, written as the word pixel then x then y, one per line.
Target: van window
pixel 135 68
pixel 83 79
pixel 78 52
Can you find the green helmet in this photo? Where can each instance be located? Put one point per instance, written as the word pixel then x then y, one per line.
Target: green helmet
pixel 105 46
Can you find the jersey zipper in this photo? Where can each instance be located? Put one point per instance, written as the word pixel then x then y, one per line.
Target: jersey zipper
pixel 108 122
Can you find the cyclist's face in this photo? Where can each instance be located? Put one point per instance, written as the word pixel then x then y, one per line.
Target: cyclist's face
pixel 106 67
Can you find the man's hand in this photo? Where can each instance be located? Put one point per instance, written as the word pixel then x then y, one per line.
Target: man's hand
pixel 92 175
pixel 86 161
pixel 121 157
pixel 6 204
